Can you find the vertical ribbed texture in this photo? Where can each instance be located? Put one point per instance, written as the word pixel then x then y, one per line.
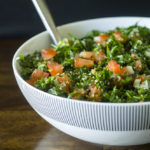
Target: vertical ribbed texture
pixel 96 116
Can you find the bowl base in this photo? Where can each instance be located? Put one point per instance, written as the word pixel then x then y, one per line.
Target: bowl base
pixel 118 138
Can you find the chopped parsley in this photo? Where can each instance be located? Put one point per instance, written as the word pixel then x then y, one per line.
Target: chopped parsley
pixel 111 66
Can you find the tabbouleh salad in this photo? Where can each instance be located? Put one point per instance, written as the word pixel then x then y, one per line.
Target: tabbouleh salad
pixel 111 66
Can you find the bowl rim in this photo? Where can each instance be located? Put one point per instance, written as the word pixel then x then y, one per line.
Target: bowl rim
pixel 68 99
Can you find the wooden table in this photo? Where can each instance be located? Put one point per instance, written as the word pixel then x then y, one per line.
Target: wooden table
pixel 20 127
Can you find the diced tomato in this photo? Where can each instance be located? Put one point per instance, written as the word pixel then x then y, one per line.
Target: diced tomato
pixel 48 53
pixel 143 78
pixel 113 67
pixel 31 82
pixel 37 75
pixel 55 68
pixel 138 65
pixel 118 36
pixel 101 39
pixel 87 55
pixel 63 79
pixel 100 56
pixel 95 93
pixel 79 63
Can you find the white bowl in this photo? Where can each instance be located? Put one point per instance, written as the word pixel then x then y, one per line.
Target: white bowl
pixel 102 123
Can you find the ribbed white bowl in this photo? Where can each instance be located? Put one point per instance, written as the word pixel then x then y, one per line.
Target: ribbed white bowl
pixel 102 123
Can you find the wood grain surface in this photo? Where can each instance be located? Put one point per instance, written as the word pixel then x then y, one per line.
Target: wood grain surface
pixel 20 127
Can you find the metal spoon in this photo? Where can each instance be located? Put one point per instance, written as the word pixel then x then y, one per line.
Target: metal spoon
pixel 47 19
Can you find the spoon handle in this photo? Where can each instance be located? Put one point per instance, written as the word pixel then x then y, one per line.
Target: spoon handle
pixel 47 19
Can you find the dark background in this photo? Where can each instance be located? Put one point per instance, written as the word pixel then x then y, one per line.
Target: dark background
pixel 18 18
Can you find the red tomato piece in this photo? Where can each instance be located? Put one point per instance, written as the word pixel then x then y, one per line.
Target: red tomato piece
pixel 48 53
pixel 118 36
pixel 114 67
pixel 103 39
pixel 37 75
pixel 31 82
pixel 79 63
pixel 55 68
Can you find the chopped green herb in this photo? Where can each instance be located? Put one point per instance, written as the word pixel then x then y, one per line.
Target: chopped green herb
pixel 111 66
